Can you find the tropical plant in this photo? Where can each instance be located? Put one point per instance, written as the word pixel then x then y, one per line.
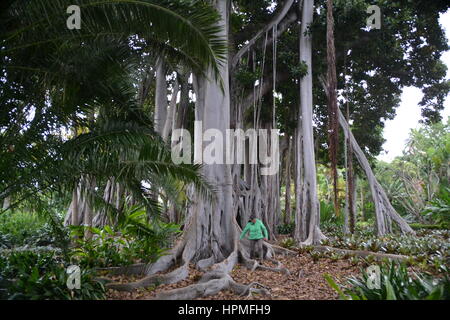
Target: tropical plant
pixel 395 284
pixel 52 85
pixel 288 243
pixel 133 240
pixel 286 228
pixel 21 227
pixel 415 179
pixel 31 275
pixel 438 209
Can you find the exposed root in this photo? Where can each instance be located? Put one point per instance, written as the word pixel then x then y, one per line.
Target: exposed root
pixel 134 269
pixel 283 251
pixel 362 253
pixel 254 265
pixel 248 290
pixel 215 279
pixel 175 276
pixel 161 265
pixel 314 238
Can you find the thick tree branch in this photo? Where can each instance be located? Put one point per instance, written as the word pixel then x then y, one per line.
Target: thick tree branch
pixel 266 87
pixel 275 21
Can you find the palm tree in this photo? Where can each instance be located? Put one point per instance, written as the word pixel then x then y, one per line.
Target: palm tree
pixel 56 80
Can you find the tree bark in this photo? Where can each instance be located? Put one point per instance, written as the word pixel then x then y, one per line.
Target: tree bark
pixel 310 199
pixel 160 96
pixel 275 21
pixel 287 204
pixel 211 236
pixel 383 209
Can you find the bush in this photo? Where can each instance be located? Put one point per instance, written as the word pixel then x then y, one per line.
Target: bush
pixel 133 241
pixel 418 226
pixel 288 243
pixel 395 284
pixel 438 210
pixel 105 249
pixel 28 275
pixel 20 228
pixel 286 228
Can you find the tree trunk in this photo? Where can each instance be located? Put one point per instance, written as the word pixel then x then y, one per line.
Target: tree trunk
pixel 287 204
pixel 160 96
pixel 384 211
pixel 211 236
pixel 74 220
pixel 310 199
pixel 6 203
pixel 333 123
pixel 168 125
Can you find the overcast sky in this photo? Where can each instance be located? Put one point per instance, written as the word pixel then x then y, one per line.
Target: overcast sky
pixel 408 113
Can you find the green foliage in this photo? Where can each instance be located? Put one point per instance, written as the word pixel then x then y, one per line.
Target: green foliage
pixel 328 218
pixel 131 241
pixel 418 226
pixel 33 229
pixel 104 250
pixel 335 286
pixel 21 228
pixel 247 78
pixel 30 275
pixel 396 283
pixel 286 228
pixel 438 209
pixel 50 85
pixel 288 243
pixel 417 182
pixel 429 249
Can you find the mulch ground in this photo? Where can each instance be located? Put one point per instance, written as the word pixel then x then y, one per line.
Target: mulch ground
pixel 305 282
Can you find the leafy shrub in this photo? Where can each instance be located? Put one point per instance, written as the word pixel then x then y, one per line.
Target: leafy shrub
pixel 135 240
pixel 30 229
pixel 418 226
pixel 28 275
pixel 20 227
pixel 105 249
pixel 438 210
pixel 288 243
pixel 429 248
pixel 286 228
pixel 395 284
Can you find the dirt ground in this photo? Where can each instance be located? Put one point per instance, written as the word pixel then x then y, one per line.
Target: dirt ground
pixel 305 282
